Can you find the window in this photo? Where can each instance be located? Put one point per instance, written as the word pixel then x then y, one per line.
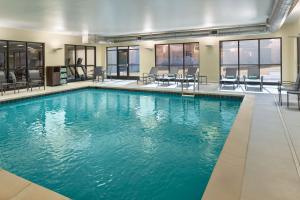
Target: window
pixel 248 56
pixel 229 56
pixel 181 55
pixel 3 56
pixel 80 61
pixel 13 55
pixel 176 56
pixel 162 55
pixel 191 54
pixel 270 59
pixel 134 61
pixel 111 54
pixel 261 54
pixel 123 62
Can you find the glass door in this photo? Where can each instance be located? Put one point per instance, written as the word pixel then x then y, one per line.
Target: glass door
pixel 123 62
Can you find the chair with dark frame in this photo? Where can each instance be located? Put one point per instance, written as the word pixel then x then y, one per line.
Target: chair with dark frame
pixel 35 79
pixel 253 78
pixel 230 78
pixel 4 85
pixel 99 72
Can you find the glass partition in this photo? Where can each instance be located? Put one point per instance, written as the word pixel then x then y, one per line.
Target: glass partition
pixel 90 61
pixel 35 57
pixel 3 56
pixel 17 59
pixel 80 61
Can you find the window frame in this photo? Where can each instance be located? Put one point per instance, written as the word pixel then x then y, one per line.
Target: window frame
pixel 26 57
pixel 116 49
pixel 169 54
pixel 85 52
pixel 259 60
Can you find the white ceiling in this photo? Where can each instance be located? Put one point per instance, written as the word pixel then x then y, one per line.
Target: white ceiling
pixel 119 17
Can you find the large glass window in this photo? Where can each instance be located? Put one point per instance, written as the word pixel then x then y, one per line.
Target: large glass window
pixel 80 61
pixel 176 56
pixel 181 55
pixel 111 54
pixel 17 59
pixel 270 59
pixel 123 62
pixel 162 55
pixel 13 55
pixel 248 56
pixel 191 54
pixel 3 56
pixel 229 56
pixel 134 61
pixel 261 54
pixel 90 61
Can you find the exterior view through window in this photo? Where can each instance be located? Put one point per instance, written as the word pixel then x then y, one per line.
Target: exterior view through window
pixel 123 62
pixel 262 54
pixel 181 55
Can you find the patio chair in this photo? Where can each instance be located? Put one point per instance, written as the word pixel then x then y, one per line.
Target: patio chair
pixel 151 76
pixel 288 87
pixel 3 82
pixel 190 75
pixel 253 78
pixel 17 84
pixel 99 72
pixel 35 79
pixel 171 76
pixel 230 78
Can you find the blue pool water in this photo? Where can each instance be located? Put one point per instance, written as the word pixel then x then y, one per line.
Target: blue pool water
pixel 104 144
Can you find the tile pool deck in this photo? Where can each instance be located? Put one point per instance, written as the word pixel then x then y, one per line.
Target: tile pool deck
pixel 260 159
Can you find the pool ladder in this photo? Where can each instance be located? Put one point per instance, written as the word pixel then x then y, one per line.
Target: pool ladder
pixel 187 94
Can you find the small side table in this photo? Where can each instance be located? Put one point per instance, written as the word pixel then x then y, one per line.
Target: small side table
pixel 293 93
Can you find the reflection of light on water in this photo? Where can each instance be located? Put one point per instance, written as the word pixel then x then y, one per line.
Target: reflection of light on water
pixel 148 145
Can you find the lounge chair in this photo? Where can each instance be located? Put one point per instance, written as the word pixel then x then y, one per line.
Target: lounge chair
pixel 253 78
pixel 17 84
pixel 149 77
pixel 171 76
pixel 230 78
pixel 288 87
pixel 99 72
pixel 3 82
pixel 190 75
pixel 35 79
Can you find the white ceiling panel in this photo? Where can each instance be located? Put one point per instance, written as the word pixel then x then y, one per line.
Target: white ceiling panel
pixel 119 17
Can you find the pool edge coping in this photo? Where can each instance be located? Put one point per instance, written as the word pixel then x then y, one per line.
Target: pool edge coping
pixel 226 180
pixel 222 173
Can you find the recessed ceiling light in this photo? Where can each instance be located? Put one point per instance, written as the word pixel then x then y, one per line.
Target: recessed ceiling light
pixel 20 45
